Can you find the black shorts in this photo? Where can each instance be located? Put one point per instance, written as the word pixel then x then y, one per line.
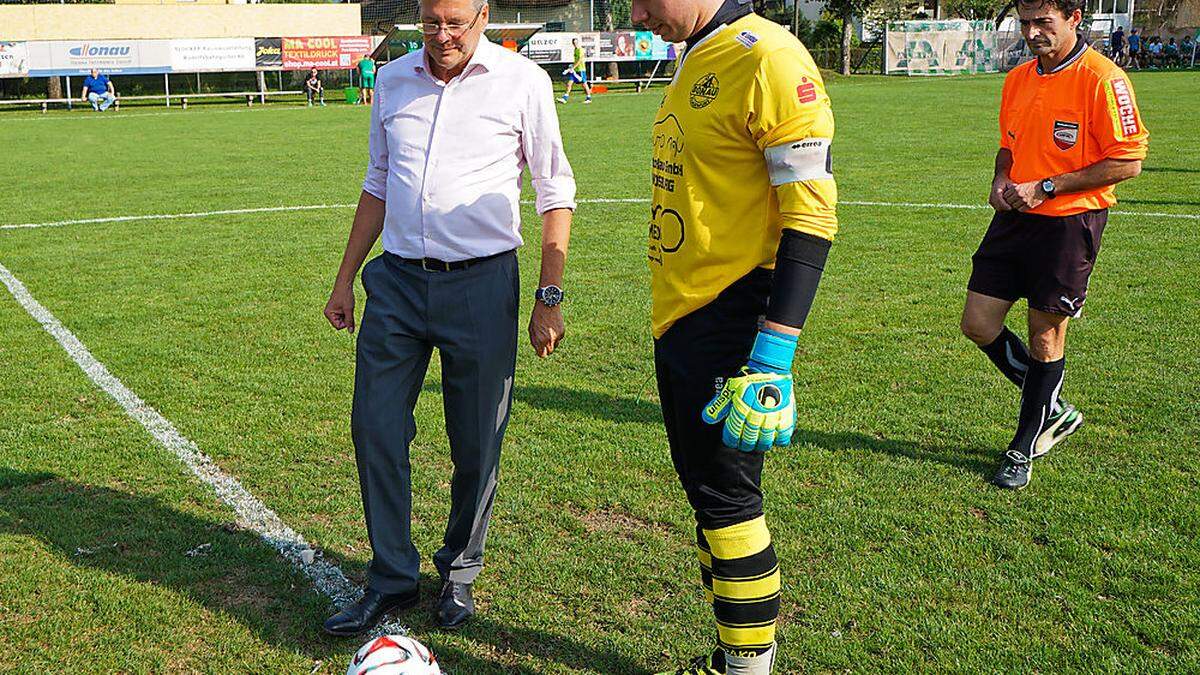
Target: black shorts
pixel 1045 259
pixel 692 360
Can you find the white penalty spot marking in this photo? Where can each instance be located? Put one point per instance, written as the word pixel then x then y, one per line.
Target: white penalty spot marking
pixel 251 513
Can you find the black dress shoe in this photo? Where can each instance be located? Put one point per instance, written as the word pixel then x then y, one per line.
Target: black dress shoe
pixel 455 605
pixel 362 615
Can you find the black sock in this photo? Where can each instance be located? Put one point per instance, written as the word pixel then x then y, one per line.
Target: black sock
pixel 1012 359
pixel 1043 382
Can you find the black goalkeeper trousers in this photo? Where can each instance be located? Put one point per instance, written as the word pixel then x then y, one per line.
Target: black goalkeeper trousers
pixel 692 360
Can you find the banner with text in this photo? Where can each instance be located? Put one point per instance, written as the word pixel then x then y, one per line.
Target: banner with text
pixel 14 59
pixel 115 57
pixel 268 53
pixel 213 54
pixel 614 46
pixel 327 53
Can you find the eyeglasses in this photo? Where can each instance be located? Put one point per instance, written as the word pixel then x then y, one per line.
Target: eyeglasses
pixel 454 30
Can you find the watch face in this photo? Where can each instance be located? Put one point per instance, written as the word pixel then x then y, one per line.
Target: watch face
pixel 551 295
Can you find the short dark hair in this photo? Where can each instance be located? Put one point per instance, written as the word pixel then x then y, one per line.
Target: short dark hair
pixel 1067 7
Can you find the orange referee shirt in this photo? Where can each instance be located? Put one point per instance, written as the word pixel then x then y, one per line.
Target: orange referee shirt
pixel 1070 118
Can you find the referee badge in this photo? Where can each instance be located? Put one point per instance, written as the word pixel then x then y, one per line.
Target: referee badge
pixel 1065 134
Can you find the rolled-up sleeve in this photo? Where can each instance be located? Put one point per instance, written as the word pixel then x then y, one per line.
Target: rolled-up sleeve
pixel 375 182
pixel 542 145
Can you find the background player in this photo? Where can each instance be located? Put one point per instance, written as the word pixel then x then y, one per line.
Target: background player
pixel 1069 131
pixel 577 72
pixel 742 219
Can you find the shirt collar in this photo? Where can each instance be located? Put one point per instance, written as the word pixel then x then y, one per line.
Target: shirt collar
pixel 1080 45
pixel 729 11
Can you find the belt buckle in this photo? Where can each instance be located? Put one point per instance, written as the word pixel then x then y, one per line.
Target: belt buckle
pixel 443 267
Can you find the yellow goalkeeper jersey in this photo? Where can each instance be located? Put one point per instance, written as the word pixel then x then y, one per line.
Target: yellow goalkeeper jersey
pixel 741 151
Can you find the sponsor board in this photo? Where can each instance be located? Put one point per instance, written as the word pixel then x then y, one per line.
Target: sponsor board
pixel 268 53
pixel 114 57
pixel 214 54
pixel 606 46
pixel 14 59
pixel 327 53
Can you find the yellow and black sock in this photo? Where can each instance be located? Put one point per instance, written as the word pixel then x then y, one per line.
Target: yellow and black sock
pixel 740 574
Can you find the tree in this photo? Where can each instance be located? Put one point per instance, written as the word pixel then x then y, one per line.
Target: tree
pixel 975 9
pixel 846 10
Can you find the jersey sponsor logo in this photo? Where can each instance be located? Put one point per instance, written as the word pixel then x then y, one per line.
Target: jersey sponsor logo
pixel 704 91
pixel 1065 134
pixel 1120 106
pixel 806 91
pixel 668 137
pixel 747 39
pixel 667 232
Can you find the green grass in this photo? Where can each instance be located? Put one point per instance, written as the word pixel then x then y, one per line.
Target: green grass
pixel 896 553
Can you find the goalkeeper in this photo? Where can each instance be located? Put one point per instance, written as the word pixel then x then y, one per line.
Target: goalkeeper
pixel 742 218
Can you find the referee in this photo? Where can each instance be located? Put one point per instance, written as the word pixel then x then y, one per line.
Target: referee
pixel 742 219
pixel 1069 132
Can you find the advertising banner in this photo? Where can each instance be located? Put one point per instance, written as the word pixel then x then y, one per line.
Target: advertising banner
pixel 549 47
pixel 14 59
pixel 327 53
pixel 115 57
pixel 950 47
pixel 268 53
pixel 614 46
pixel 214 54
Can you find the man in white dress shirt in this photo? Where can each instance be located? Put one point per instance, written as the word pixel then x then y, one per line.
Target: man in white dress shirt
pixel 453 126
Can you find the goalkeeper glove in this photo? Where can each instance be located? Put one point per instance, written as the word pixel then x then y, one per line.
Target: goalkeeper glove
pixel 757 405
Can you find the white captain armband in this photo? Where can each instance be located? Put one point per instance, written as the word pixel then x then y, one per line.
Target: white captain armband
pixel 796 161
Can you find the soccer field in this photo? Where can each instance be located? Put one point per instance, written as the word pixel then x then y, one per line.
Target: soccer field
pixel 896 553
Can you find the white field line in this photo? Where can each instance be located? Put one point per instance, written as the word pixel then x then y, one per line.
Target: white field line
pixel 92 115
pixel 251 513
pixel 174 216
pixel 593 200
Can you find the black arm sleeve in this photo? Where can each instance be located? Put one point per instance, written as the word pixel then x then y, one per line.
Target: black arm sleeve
pixel 798 266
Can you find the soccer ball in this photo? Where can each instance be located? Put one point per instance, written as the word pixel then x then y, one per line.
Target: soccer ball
pixel 394 655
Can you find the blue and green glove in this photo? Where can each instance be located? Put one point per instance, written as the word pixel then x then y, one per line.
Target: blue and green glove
pixel 758 406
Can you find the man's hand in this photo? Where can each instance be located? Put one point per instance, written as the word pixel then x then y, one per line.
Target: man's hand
pixel 340 308
pixel 759 410
pixel 1024 196
pixel 546 328
pixel 996 198
pixel 757 404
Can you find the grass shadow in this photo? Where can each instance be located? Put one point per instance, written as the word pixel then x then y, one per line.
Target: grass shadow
pixel 142 539
pixel 976 460
pixel 618 409
pixel 147 541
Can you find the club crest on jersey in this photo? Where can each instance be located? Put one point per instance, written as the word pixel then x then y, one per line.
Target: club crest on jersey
pixel 806 91
pixel 704 91
pixel 1065 134
pixel 747 39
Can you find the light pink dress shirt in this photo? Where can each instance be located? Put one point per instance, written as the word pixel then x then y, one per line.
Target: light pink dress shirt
pixel 447 157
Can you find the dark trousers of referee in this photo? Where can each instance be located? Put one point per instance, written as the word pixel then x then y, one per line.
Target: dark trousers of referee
pixel 738 566
pixel 470 316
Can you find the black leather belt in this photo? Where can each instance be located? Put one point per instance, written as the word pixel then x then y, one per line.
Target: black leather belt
pixel 435 265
